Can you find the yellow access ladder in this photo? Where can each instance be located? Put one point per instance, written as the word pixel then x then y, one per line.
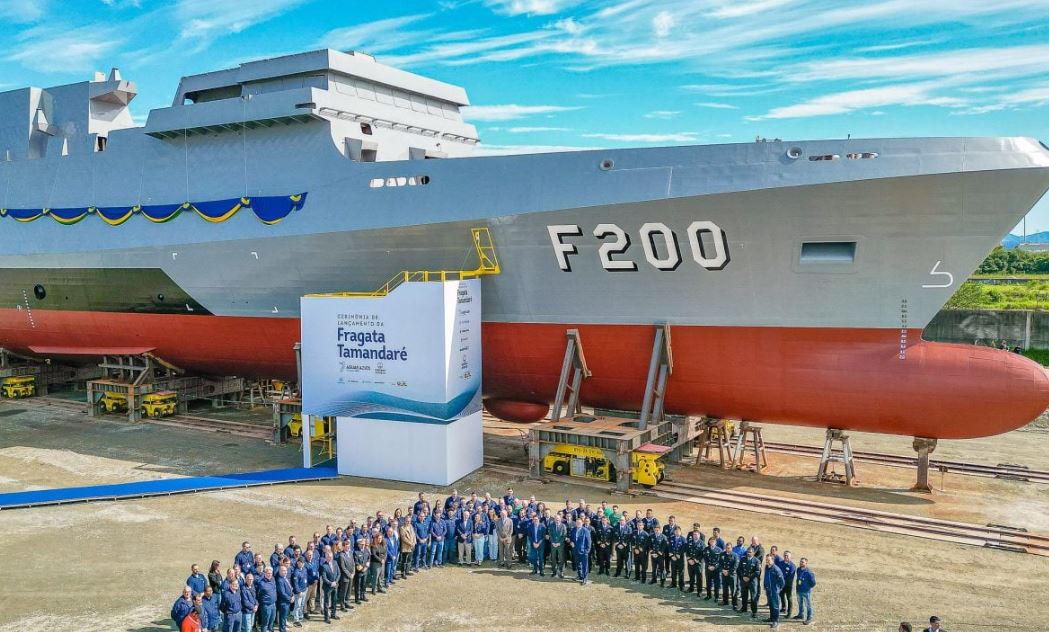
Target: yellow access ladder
pixel 487 263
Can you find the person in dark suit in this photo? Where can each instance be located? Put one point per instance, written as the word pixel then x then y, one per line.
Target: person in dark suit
pixel 361 560
pixel 344 560
pixel 536 535
pixel 330 586
pixel 582 543
pixel 934 625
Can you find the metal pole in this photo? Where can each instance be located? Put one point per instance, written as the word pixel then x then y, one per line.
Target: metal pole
pixel 298 365
pixel 566 366
pixel 653 365
pixel 307 445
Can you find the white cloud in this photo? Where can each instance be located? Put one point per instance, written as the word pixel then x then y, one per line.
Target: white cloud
pixel 851 100
pixel 570 26
pixel 662 23
pixel 377 36
pixel 202 19
pixel 532 130
pixel 880 48
pixel 23 11
pixel 529 7
pixel 662 114
pixel 742 9
pixel 680 137
pixel 732 90
pixel 717 106
pixel 48 49
pixel 1010 61
pixel 510 111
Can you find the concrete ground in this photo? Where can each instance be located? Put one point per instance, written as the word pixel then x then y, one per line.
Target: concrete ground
pixel 119 566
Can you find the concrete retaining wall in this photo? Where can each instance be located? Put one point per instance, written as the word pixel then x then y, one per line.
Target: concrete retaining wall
pixel 1026 329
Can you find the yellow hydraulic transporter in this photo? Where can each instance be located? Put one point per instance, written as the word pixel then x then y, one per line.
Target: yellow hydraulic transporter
pixel 18 386
pixel 320 426
pixel 159 404
pixel 113 402
pixel 588 462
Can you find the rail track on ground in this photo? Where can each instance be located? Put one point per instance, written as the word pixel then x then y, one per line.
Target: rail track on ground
pixel 989 536
pixel 1007 471
pixel 194 422
pixel 1002 470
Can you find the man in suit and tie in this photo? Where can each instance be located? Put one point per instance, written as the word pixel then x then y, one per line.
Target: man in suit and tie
pixel 330 586
pixel 557 534
pixel 505 533
pixel 581 545
pixel 536 536
pixel 344 560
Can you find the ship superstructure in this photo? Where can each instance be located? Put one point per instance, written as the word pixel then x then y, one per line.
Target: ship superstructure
pixel 796 276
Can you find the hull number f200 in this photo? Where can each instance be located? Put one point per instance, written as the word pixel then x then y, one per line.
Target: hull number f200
pixel 706 243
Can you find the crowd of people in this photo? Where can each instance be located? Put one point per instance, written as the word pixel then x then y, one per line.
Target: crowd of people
pixel 343 565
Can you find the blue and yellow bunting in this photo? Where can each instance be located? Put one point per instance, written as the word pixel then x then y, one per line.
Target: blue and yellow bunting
pixel 268 209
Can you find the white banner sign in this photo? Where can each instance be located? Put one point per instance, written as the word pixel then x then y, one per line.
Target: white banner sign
pixel 413 355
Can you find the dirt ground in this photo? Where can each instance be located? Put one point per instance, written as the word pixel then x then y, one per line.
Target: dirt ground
pixel 119 566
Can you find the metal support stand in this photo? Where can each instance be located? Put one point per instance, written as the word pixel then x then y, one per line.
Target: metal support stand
pixel 659 369
pixel 624 471
pixel 830 456
pixel 715 436
pixel 573 372
pixel 739 457
pixel 924 447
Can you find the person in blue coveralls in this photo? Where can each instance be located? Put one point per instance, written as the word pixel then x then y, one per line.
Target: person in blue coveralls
pixel 232 604
pixel 536 536
pixel 267 597
pixel 773 584
pixel 806 582
pixel 285 597
pixel 212 621
pixel 196 580
pixel 299 585
pixel 249 603
pixel 786 596
pixel 182 606
pixel 437 531
pixel 581 545
pixel 245 559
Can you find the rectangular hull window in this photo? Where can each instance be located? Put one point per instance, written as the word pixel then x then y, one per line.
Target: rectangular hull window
pixel 828 252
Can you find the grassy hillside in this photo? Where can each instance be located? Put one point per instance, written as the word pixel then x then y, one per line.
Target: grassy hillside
pixel 1033 294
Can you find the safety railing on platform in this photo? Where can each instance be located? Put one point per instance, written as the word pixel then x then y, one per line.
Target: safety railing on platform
pixel 487 263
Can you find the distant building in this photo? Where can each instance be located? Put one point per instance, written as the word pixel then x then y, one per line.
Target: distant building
pixel 1034 247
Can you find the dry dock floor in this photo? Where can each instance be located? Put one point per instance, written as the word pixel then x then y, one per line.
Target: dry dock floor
pixel 119 566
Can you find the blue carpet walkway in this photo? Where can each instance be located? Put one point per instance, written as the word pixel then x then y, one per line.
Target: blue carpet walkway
pixel 162 487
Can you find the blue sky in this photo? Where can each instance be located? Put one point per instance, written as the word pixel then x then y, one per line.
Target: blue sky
pixel 568 73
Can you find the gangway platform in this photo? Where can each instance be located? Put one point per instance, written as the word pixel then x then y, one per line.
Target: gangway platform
pixel 162 487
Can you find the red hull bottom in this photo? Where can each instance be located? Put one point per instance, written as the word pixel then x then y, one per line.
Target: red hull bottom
pixel 851 379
